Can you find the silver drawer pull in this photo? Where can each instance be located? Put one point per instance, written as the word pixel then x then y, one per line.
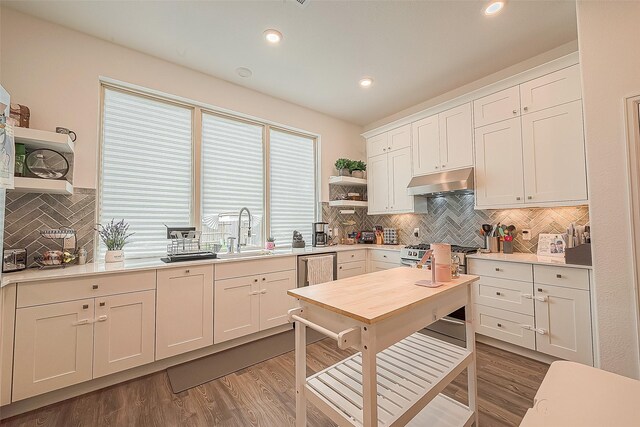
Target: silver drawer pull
pixel 499 325
pixel 540 290
pixel 559 276
pixel 102 318
pixel 497 269
pixel 94 286
pixel 541 331
pixel 102 304
pixel 81 322
pixel 187 271
pixel 541 299
pixel 85 306
pixel 263 291
pixel 498 293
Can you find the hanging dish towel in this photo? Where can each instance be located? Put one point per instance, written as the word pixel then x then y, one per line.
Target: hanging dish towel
pixel 319 269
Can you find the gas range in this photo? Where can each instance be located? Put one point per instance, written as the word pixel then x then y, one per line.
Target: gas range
pixel 411 254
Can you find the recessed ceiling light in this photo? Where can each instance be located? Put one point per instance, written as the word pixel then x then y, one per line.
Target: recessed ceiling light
pixel 244 72
pixel 273 36
pixel 366 81
pixel 493 7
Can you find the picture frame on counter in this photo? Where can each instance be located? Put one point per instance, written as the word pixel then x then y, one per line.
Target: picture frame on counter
pixel 551 245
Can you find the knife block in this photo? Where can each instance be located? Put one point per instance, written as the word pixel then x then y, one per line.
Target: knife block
pixel 580 255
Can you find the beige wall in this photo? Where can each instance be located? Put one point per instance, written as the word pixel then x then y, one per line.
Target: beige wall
pixel 610 57
pixel 55 71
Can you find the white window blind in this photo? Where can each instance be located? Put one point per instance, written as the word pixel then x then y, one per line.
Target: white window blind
pixel 146 169
pixel 232 177
pixel 293 194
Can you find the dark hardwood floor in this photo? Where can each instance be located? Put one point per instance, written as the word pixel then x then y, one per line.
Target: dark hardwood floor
pixel 263 395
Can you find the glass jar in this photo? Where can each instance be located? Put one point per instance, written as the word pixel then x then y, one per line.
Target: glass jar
pixel 455 266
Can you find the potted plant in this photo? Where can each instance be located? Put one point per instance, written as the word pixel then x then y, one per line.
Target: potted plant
pixel 342 166
pixel 114 235
pixel 357 168
pixel 271 243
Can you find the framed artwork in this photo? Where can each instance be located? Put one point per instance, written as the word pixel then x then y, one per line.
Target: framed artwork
pixel 551 245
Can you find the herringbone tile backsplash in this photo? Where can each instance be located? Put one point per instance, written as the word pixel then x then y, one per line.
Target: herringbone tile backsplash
pixel 28 213
pixel 452 219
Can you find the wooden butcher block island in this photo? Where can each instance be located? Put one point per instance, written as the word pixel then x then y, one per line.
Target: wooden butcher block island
pixel 397 376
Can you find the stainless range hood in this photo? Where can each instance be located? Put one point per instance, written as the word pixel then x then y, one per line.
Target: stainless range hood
pixel 457 181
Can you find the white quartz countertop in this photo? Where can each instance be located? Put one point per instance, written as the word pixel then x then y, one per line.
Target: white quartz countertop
pixel 526 259
pixel 34 274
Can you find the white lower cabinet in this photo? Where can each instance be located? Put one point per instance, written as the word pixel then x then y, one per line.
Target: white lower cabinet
pixel 351 269
pixel 563 323
pixel 53 347
pixel 124 332
pixel 184 310
pixel 554 317
pixel 245 305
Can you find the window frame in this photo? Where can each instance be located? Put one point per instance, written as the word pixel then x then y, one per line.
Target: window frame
pixel 198 109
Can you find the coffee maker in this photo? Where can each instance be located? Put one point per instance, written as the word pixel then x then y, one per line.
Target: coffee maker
pixel 320 235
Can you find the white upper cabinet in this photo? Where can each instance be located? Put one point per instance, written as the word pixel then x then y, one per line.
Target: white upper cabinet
pixel 550 90
pixel 499 176
pixel 554 156
pixel 496 107
pixel 426 145
pixel 399 138
pixel 399 164
pixel 377 144
pixel 378 184
pixel 456 138
pixel 443 141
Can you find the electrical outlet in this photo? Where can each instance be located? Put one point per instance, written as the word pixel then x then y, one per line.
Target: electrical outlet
pixel 526 234
pixel 416 232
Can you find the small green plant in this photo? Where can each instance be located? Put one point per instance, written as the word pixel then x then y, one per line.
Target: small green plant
pixel 357 165
pixel 114 234
pixel 343 164
pixel 271 239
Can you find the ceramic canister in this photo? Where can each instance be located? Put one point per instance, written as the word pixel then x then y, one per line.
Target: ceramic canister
pixel 442 253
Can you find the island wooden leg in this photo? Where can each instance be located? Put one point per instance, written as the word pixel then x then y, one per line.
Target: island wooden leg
pixel 472 388
pixel 369 378
pixel 301 374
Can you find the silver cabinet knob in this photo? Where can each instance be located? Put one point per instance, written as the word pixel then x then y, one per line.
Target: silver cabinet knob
pixel 518 198
pixel 187 271
pixel 384 149
pixel 340 268
pixel 94 287
pixel 352 255
pixel 389 148
pixel 85 306
pixel 499 325
pixel 529 197
pixel 515 111
pixel 540 290
pixel 264 278
pixel 436 167
pixel 497 269
pixel 526 108
pixel 255 280
pixel 102 304
pixel 498 293
pixel 559 276
pixel 444 166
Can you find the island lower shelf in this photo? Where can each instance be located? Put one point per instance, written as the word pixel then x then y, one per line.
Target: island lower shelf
pixel 411 374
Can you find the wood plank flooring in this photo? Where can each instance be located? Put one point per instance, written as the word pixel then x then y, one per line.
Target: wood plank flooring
pixel 263 395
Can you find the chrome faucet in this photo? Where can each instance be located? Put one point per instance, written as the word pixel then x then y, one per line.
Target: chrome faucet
pixel 240 227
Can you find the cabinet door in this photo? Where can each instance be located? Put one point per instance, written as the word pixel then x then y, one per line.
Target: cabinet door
pixel 425 145
pixel 237 305
pixel 378 144
pixel 399 177
pixel 456 138
pixel 53 347
pixel 563 323
pixel 399 138
pixel 378 184
pixel 351 269
pixel 124 332
pixel 184 310
pixel 499 175
pixel 554 157
pixel 274 301
pixel 496 107
pixel 551 90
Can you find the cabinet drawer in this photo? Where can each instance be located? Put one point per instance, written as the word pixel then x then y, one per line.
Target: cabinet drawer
pixel 576 278
pixel 386 256
pixel 351 256
pixel 504 294
pixel 243 268
pixel 50 291
pixel 500 269
pixel 379 266
pixel 505 326
pixel 351 269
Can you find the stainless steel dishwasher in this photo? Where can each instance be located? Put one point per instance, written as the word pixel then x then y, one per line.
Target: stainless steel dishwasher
pixel 302 267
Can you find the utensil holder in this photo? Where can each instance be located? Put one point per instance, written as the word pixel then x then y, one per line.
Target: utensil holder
pixel 507 247
pixel 580 255
pixel 494 244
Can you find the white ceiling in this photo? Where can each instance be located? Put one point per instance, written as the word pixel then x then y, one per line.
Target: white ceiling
pixel 413 50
